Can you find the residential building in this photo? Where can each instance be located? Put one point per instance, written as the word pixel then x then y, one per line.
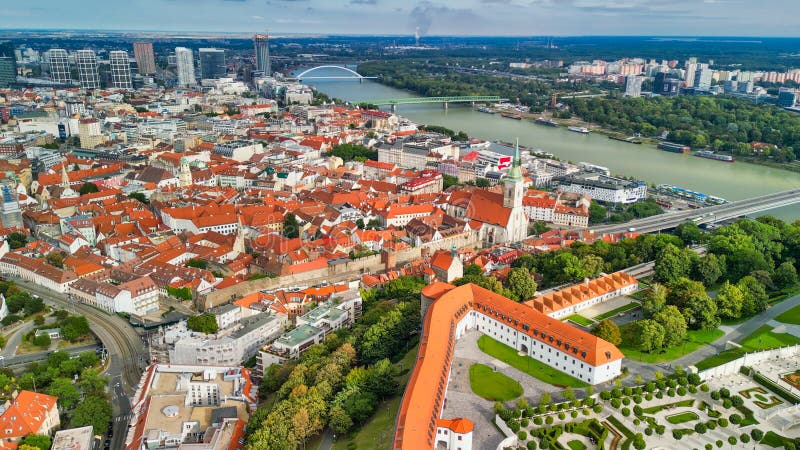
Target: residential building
pixel 28 413
pixel 212 63
pixel 74 439
pixel 633 85
pixel 702 79
pixel 232 345
pixel 261 44
pixel 90 133
pixel 605 189
pixel 137 297
pixel 580 296
pixel 8 64
pixel 145 59
pixel 37 271
pixel 57 62
pixel 578 353
pixel 178 405
pixel 185 67
pixel 447 266
pixel 120 69
pixel 86 63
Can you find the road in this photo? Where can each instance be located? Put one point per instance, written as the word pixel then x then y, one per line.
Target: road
pixel 38 356
pixel 16 338
pixel 127 354
pixel 711 214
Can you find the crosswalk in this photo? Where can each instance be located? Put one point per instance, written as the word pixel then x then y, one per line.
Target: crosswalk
pixel 125 418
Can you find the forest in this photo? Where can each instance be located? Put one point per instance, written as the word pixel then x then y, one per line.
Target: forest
pixel 721 123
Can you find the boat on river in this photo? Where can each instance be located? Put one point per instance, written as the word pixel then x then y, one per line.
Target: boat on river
pixel 547 122
pixel 582 130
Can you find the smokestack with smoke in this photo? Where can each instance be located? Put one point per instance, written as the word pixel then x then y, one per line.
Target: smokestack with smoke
pixel 422 17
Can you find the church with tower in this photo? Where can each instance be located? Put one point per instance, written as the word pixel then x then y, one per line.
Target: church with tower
pixel 499 218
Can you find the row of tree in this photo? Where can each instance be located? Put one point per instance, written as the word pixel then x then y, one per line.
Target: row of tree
pixel 339 383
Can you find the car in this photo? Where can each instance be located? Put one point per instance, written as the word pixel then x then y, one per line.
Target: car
pixel 631 229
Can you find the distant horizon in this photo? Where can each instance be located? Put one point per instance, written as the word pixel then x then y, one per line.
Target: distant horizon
pixel 468 18
pixel 278 35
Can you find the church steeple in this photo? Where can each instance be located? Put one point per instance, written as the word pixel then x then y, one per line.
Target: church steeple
pixel 512 184
pixel 67 191
pixel 515 173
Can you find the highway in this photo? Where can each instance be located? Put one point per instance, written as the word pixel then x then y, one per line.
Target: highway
pixel 127 354
pixel 711 214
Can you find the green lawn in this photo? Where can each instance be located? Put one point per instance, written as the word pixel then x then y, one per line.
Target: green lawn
pixel 694 340
pixel 576 445
pixel 657 408
pixel 616 311
pixel 492 385
pixel 580 320
pixel 379 428
pixel 773 439
pixel 527 364
pixel 791 316
pixel 761 339
pixel 682 417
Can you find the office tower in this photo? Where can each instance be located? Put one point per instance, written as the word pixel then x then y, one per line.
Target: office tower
pixel 57 61
pixel 120 69
pixel 8 64
pixel 185 63
pixel 261 42
pixel 702 79
pixel 86 62
pixel 633 85
pixel 212 63
pixel 787 97
pixel 145 61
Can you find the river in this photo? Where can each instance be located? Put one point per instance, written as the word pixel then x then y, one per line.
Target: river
pixel 730 181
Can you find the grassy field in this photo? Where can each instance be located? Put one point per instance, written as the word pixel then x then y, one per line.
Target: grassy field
pixel 616 311
pixel 682 417
pixel 791 316
pixel 580 320
pixel 576 445
pixel 379 429
pixel 527 364
pixel 492 385
pixel 694 340
pixel 761 339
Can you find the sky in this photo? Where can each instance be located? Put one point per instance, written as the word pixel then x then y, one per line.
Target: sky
pixel 403 17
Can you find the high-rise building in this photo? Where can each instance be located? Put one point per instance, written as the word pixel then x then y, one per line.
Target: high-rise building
pixel 212 63
pixel 702 78
pixel 120 69
pixel 787 97
pixel 8 64
pixel 57 61
pixel 86 62
pixel 185 64
pixel 261 42
pixel 633 85
pixel 145 61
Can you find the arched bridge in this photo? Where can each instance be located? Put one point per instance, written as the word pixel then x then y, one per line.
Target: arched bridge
pixel 353 74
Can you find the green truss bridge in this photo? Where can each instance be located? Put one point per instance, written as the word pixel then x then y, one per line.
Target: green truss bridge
pixel 393 102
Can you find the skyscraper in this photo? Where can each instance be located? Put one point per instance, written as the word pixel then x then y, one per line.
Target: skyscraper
pixel 185 64
pixel 8 64
pixel 702 78
pixel 86 62
pixel 120 69
pixel 212 63
pixel 633 85
pixel 145 61
pixel 261 42
pixel 57 61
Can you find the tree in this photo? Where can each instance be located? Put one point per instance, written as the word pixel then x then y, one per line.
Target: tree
pixel 16 240
pixel 42 340
pixel 339 421
pixel 74 327
pixel 707 269
pixel 597 213
pixel 522 284
pixel 94 411
pixel 139 196
pixel 692 300
pixel 672 263
pixel 608 331
pixel 55 259
pixel 755 296
pixel 91 383
pixel 638 442
pixel 304 426
pixel 654 300
pixel 730 300
pixel 291 229
pixel 203 323
pixel 353 152
pixel 39 441
pixel 88 188
pixel 785 275
pixel 690 233
pixel 674 325
pixel 647 335
pixel 65 390
pixel 473 270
